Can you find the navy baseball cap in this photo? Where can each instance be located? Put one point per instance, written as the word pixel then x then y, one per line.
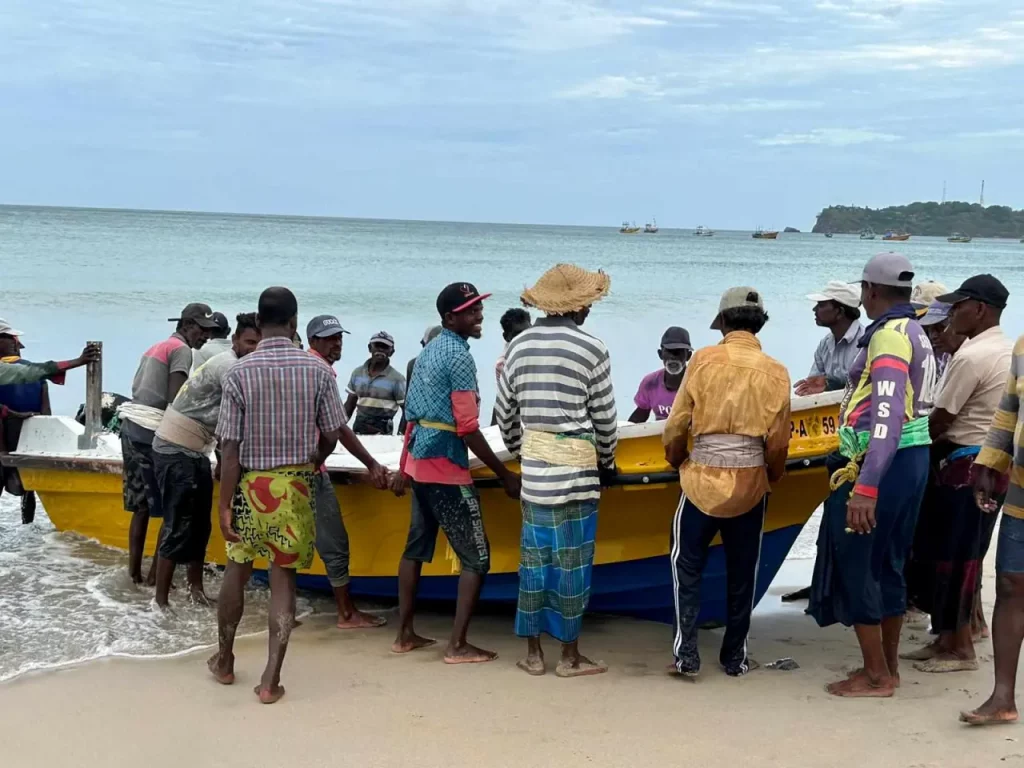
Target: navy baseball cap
pixel 458 297
pixel 984 288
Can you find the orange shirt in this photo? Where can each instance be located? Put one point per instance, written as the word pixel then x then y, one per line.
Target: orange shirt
pixel 732 388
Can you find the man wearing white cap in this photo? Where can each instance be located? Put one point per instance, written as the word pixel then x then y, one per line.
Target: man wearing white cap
pixel 835 308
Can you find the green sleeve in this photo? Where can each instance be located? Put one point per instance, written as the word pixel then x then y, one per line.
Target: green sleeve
pixel 26 373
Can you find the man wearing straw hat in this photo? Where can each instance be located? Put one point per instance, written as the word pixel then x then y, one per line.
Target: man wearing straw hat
pixel 734 403
pixel 556 410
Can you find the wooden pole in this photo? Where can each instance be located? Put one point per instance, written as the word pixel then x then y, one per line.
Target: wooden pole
pixel 93 401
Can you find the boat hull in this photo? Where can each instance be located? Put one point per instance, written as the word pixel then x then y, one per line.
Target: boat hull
pixel 631 574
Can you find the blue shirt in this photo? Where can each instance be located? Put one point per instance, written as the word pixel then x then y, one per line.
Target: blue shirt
pixel 444 366
pixel 27 398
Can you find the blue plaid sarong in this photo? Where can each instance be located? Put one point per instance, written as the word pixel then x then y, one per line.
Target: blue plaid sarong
pixel 555 564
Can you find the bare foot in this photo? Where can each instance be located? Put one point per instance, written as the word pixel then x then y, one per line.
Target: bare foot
pixel 269 695
pixel 861 686
pixel 412 643
pixel 980 634
pixel 532 665
pixel 223 672
pixel 990 713
pixel 924 653
pixel 468 654
pixel 199 597
pixel 360 620
pixel 579 667
pixel 859 672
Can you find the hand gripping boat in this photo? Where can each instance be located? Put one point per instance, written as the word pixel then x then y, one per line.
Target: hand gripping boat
pixel 81 490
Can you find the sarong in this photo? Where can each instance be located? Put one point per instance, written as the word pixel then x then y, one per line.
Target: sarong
pixel 272 512
pixel 556 561
pixel 957 540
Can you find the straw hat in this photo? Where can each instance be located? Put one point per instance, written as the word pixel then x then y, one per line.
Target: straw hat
pixel 566 288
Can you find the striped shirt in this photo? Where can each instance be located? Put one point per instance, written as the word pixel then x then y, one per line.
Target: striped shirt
pixel 557 379
pixel 1003 450
pixel 275 401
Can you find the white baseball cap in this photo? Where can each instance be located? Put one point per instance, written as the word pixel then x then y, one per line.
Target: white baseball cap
pixel 847 294
pixel 7 330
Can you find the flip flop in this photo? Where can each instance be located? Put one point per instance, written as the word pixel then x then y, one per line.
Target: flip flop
pixel 971 718
pixel 585 668
pixel 921 654
pixel 534 668
pixel 946 665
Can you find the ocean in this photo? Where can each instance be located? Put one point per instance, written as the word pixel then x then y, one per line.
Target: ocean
pixel 71 275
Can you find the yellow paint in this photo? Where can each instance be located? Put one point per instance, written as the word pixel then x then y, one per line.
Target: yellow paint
pixel 634 520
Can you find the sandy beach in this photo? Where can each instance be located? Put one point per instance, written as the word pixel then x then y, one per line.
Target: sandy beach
pixel 351 702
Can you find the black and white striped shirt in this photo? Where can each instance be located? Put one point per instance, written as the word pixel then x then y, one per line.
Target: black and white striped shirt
pixel 557 379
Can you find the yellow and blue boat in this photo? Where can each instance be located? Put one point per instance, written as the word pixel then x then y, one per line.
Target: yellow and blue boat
pixel 81 491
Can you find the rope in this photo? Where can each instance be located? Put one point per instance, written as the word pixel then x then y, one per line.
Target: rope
pixel 143 415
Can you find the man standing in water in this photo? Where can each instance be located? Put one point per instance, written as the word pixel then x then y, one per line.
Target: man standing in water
pixel 868 525
pixel 325 336
pixel 740 443
pixel 835 308
pixel 280 418
pixel 444 421
pixel 556 411
pixel 181 463
pixel 376 391
pixel 999 470
pixel 658 390
pixel 162 370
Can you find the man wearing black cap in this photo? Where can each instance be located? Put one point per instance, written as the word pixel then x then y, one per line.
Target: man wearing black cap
pixel 444 424
pixel 219 341
pixel 658 390
pixel 376 391
pixel 163 369
pixel 960 532
pixel 325 336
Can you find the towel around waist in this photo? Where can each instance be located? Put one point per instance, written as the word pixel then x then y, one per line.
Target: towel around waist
pixel 732 451
pixel 559 449
pixel 181 430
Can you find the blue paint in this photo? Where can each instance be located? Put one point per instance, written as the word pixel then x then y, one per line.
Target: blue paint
pixel 639 588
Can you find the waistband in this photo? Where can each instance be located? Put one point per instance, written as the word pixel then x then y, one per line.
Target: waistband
pixel 145 416
pixel 732 451
pixel 564 450
pixel 437 425
pixel 188 433
pixel 854 444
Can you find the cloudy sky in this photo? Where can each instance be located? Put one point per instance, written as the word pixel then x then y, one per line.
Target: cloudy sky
pixel 725 112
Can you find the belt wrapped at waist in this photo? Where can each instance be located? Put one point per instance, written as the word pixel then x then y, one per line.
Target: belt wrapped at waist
pixel 188 433
pixel 437 425
pixel 732 451
pixel 564 450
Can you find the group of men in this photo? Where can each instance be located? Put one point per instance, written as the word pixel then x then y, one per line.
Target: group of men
pixel 927 456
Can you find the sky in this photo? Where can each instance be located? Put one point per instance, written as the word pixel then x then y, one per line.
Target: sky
pixel 728 113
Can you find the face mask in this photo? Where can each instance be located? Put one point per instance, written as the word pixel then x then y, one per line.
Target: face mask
pixel 674 367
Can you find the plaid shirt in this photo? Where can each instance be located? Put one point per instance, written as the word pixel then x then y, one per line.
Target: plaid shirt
pixel 444 366
pixel 275 400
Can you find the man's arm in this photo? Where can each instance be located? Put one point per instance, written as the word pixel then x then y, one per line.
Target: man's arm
pixel 46 410
pixel 601 406
pixel 643 406
pixel 507 416
pixel 350 406
pixel 230 475
pixel 776 444
pixel 30 373
pixel 958 385
pixel 467 427
pixel 677 426
pixel 997 452
pixel 889 357
pixel 178 366
pixel 639 415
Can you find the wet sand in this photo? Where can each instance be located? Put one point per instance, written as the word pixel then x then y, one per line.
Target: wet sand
pixel 351 702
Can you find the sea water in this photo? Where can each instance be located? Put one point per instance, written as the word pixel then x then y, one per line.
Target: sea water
pixel 117 276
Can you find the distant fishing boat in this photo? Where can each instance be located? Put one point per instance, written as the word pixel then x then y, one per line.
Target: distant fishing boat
pixel 765 234
pixel 628 229
pixel 958 237
pixel 651 229
pixel 867 234
pixel 703 231
pixel 828 235
pixel 897 236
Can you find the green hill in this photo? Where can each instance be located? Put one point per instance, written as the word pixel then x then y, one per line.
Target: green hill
pixel 939 219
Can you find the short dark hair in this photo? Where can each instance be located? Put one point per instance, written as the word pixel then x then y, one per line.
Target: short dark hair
pixel 750 319
pixel 277 306
pixel 244 321
pixel 850 313
pixel 894 292
pixel 514 318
